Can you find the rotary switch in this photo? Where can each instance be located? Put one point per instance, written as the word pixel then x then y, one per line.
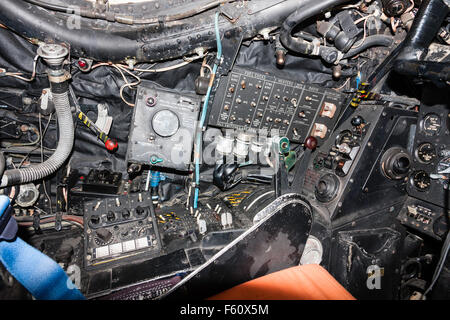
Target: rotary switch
pixel 104 235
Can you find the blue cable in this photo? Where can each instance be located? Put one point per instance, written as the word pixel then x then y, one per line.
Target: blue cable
pixel 358 80
pixel 205 109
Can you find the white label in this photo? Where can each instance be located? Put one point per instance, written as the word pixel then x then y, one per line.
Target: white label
pixel 141 243
pixel 115 248
pixel 129 245
pixel 102 252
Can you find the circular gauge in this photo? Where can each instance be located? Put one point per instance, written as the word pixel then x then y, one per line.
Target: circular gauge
pixel 421 180
pixel 426 152
pixel 345 136
pixel 165 123
pixel 431 124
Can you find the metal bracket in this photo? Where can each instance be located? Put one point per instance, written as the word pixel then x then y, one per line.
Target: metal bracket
pixel 231 43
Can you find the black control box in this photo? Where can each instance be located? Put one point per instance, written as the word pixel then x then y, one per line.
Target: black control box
pixel 118 228
pixel 99 182
pixel 249 100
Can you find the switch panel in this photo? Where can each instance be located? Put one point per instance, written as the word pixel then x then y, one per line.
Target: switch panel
pixel 425 217
pixel 119 228
pixel 254 100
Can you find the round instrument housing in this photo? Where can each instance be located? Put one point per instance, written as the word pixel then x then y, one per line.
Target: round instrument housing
pixel 396 163
pixel 327 188
pixel 165 123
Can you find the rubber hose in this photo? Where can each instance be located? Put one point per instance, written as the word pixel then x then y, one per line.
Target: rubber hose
pixel 426 25
pixel 371 41
pixel 423 31
pixel 63 150
pixel 38 23
pixel 306 11
pixel 432 70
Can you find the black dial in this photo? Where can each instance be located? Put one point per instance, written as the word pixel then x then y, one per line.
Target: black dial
pixel 426 152
pixel 431 124
pixel 111 216
pixel 95 220
pixel 421 180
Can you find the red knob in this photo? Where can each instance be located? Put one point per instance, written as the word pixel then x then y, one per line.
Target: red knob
pixel 82 64
pixel 111 145
pixel 311 143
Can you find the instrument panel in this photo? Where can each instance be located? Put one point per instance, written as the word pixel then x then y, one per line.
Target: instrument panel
pixel 358 164
pixel 333 166
pixel 253 100
pixel 429 179
pixel 119 228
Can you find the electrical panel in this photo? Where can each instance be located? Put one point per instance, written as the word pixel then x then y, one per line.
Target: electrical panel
pixel 429 180
pixel 350 169
pixel 118 228
pixel 250 100
pixel 425 217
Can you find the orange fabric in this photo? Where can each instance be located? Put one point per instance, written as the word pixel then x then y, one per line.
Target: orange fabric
pixel 308 282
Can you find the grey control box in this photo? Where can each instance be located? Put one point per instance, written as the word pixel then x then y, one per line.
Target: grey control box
pixel 163 128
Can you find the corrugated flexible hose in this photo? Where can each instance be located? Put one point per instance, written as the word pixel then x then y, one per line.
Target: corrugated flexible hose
pixel 65 145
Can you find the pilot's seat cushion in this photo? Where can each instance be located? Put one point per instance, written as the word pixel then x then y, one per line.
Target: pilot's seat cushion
pixel 307 282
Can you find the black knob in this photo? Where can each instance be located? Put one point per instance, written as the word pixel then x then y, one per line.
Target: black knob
pixel 357 121
pixel 95 220
pixel 104 235
pixel 140 211
pixel 111 216
pixel 126 214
